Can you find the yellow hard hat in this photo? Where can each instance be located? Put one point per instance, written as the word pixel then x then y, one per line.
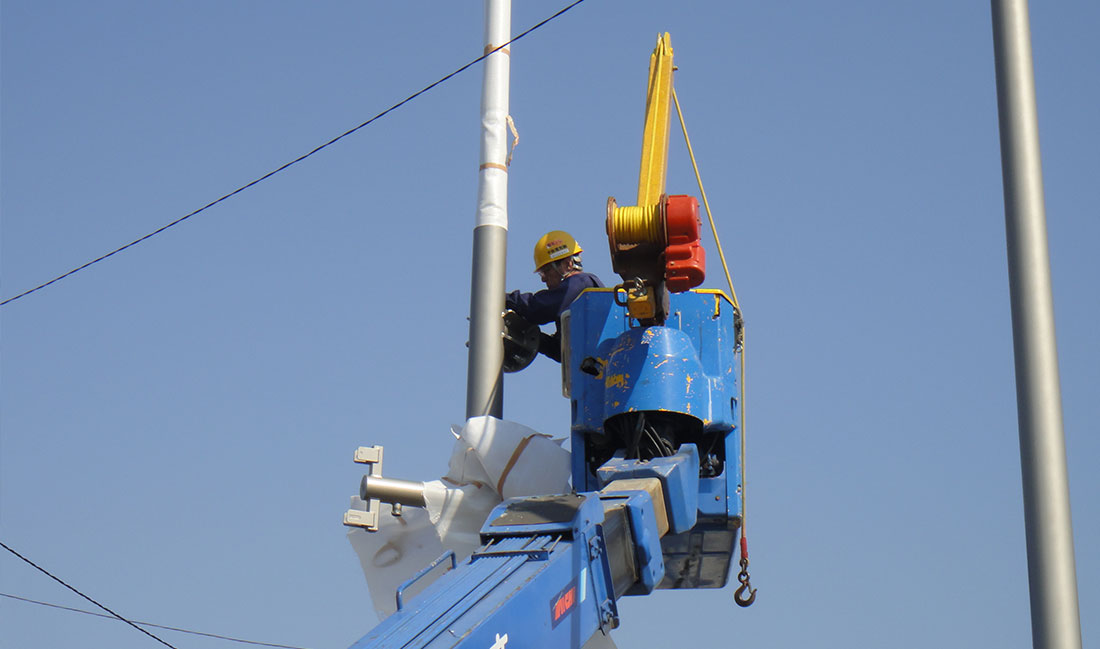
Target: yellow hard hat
pixel 553 246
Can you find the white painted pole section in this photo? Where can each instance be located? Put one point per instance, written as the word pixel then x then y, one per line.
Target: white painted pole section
pixel 492 191
pixel 484 379
pixel 1052 575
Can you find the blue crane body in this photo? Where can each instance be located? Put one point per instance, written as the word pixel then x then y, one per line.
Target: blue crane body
pixel 679 382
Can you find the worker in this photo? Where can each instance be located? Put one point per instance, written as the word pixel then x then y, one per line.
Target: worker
pixel 558 263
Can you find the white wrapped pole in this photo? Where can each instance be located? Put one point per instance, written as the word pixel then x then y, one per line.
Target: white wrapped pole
pixel 484 381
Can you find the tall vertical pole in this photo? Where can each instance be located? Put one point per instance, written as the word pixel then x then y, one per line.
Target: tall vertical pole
pixel 484 379
pixel 1055 617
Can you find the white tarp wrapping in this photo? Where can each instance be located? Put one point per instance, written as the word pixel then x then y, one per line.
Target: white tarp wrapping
pixel 492 460
pixel 401 546
pixel 458 513
pixel 517 460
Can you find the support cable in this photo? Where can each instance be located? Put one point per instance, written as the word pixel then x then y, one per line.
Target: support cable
pixel 743 577
pixel 58 580
pixel 298 159
pixel 158 626
pixel 706 203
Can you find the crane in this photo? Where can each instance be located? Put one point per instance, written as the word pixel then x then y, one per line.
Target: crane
pixel 652 370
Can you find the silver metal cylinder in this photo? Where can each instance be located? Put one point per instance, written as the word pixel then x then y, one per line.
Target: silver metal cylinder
pixel 1052 574
pixel 485 380
pixel 389 490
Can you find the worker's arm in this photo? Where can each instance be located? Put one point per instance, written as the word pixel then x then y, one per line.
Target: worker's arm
pixel 550 346
pixel 537 308
pixel 546 306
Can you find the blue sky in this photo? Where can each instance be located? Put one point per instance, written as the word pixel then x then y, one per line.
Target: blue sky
pixel 178 421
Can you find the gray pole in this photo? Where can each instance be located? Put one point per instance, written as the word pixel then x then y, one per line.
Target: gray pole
pixel 484 378
pixel 1055 618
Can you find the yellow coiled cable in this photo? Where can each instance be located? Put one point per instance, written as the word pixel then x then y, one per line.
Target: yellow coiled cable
pixel 637 224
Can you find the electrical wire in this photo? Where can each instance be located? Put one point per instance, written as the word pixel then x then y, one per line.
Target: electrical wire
pixel 158 626
pixel 298 159
pixel 58 580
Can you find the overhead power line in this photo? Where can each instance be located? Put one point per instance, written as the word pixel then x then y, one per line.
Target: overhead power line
pixel 158 626
pixel 58 580
pixel 296 160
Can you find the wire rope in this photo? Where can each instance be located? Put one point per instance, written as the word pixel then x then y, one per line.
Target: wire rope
pixel 736 305
pixel 706 203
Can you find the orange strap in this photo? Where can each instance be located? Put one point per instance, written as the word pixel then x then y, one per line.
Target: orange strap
pixel 512 462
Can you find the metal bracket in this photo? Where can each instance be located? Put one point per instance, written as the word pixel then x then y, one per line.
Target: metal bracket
pixel 368 519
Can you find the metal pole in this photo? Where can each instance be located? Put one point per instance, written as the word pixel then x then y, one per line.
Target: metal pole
pixel 484 379
pixel 1055 617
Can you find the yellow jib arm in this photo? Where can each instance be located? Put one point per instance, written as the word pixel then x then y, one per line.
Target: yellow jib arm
pixel 651 177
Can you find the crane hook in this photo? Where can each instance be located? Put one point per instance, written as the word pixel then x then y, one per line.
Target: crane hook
pixel 743 577
pixel 744 603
